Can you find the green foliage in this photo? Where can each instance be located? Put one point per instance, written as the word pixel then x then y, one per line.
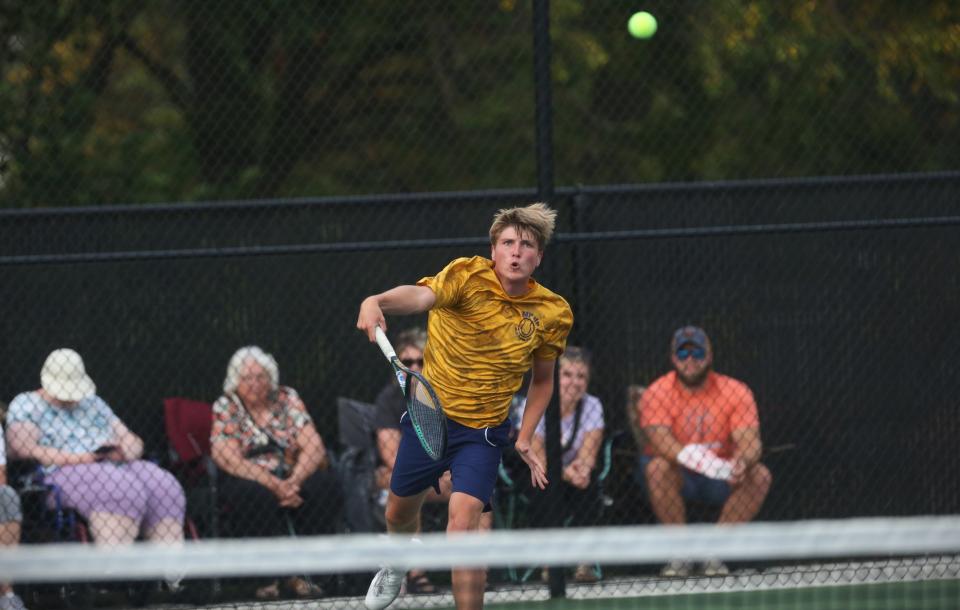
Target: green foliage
pixel 151 101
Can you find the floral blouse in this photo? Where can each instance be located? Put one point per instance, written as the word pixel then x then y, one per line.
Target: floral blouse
pixel 288 416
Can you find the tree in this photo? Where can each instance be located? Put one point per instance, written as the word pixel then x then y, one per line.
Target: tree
pixel 169 101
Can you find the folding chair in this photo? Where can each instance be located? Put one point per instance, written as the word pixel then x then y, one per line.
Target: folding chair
pixel 46 519
pixel 188 423
pixel 512 502
pixel 358 463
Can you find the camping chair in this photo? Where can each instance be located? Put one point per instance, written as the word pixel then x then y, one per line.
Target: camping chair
pixel 357 465
pixel 46 520
pixel 45 517
pixel 356 469
pixel 188 423
pixel 512 503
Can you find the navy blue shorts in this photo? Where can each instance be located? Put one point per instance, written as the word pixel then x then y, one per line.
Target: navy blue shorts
pixel 473 459
pixel 696 487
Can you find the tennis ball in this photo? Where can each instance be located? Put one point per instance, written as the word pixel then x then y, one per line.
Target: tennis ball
pixel 642 25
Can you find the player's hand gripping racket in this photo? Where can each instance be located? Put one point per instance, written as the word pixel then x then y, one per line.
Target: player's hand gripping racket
pixel 423 406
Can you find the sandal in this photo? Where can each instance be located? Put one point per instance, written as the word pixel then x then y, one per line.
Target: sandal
pixel 420 584
pixel 267 592
pixel 301 588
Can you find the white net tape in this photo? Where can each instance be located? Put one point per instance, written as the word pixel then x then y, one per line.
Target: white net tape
pixel 853 538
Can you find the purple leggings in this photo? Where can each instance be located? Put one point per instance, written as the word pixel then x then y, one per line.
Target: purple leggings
pixel 140 490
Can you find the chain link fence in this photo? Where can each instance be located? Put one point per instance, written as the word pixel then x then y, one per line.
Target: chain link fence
pixel 781 174
pixel 162 102
pixel 841 326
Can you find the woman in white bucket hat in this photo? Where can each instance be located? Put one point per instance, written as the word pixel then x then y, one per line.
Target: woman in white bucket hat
pixel 88 452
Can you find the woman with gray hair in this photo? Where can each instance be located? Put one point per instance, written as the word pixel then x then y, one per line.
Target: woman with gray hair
pixel 275 469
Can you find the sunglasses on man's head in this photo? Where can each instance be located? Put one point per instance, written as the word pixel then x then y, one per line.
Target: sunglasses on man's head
pixel 408 362
pixel 698 353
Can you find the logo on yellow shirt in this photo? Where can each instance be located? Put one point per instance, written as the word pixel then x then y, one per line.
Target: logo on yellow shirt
pixel 527 326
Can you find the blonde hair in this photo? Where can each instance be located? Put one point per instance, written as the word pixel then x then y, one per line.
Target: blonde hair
pixel 240 357
pixel 536 219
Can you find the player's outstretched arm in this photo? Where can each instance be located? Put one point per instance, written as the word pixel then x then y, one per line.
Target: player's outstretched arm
pixel 401 300
pixel 538 397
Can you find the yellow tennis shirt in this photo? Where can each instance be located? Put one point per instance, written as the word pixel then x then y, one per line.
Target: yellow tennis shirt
pixel 482 341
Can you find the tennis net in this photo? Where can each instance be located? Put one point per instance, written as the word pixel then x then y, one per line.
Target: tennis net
pixel 876 563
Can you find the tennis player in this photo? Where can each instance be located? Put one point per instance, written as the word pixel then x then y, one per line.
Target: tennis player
pixel 489 323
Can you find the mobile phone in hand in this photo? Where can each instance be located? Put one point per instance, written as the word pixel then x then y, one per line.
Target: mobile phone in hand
pixel 104 452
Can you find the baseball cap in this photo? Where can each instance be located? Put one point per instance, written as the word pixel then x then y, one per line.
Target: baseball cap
pixel 690 334
pixel 65 378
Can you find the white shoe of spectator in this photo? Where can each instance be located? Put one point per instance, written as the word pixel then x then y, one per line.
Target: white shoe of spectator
pixel 676 569
pixel 384 588
pixel 715 567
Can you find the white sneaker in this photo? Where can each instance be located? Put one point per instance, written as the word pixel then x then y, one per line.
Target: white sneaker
pixel 715 567
pixel 384 588
pixel 676 569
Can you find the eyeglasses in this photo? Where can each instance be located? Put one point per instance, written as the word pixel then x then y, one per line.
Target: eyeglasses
pixel 408 362
pixel 698 353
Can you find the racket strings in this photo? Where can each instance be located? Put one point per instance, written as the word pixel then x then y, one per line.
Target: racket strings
pixel 427 413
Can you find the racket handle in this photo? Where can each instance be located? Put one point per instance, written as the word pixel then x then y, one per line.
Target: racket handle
pixel 384 344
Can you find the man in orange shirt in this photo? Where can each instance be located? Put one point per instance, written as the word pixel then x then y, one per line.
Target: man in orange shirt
pixel 703 441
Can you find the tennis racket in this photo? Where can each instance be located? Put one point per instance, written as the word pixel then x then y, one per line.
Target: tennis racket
pixel 423 406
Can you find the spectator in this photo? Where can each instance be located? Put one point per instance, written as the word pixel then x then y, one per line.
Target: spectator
pixel 581 432
pixel 703 442
pixel 10 517
pixel 88 452
pixel 391 406
pixel 276 477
